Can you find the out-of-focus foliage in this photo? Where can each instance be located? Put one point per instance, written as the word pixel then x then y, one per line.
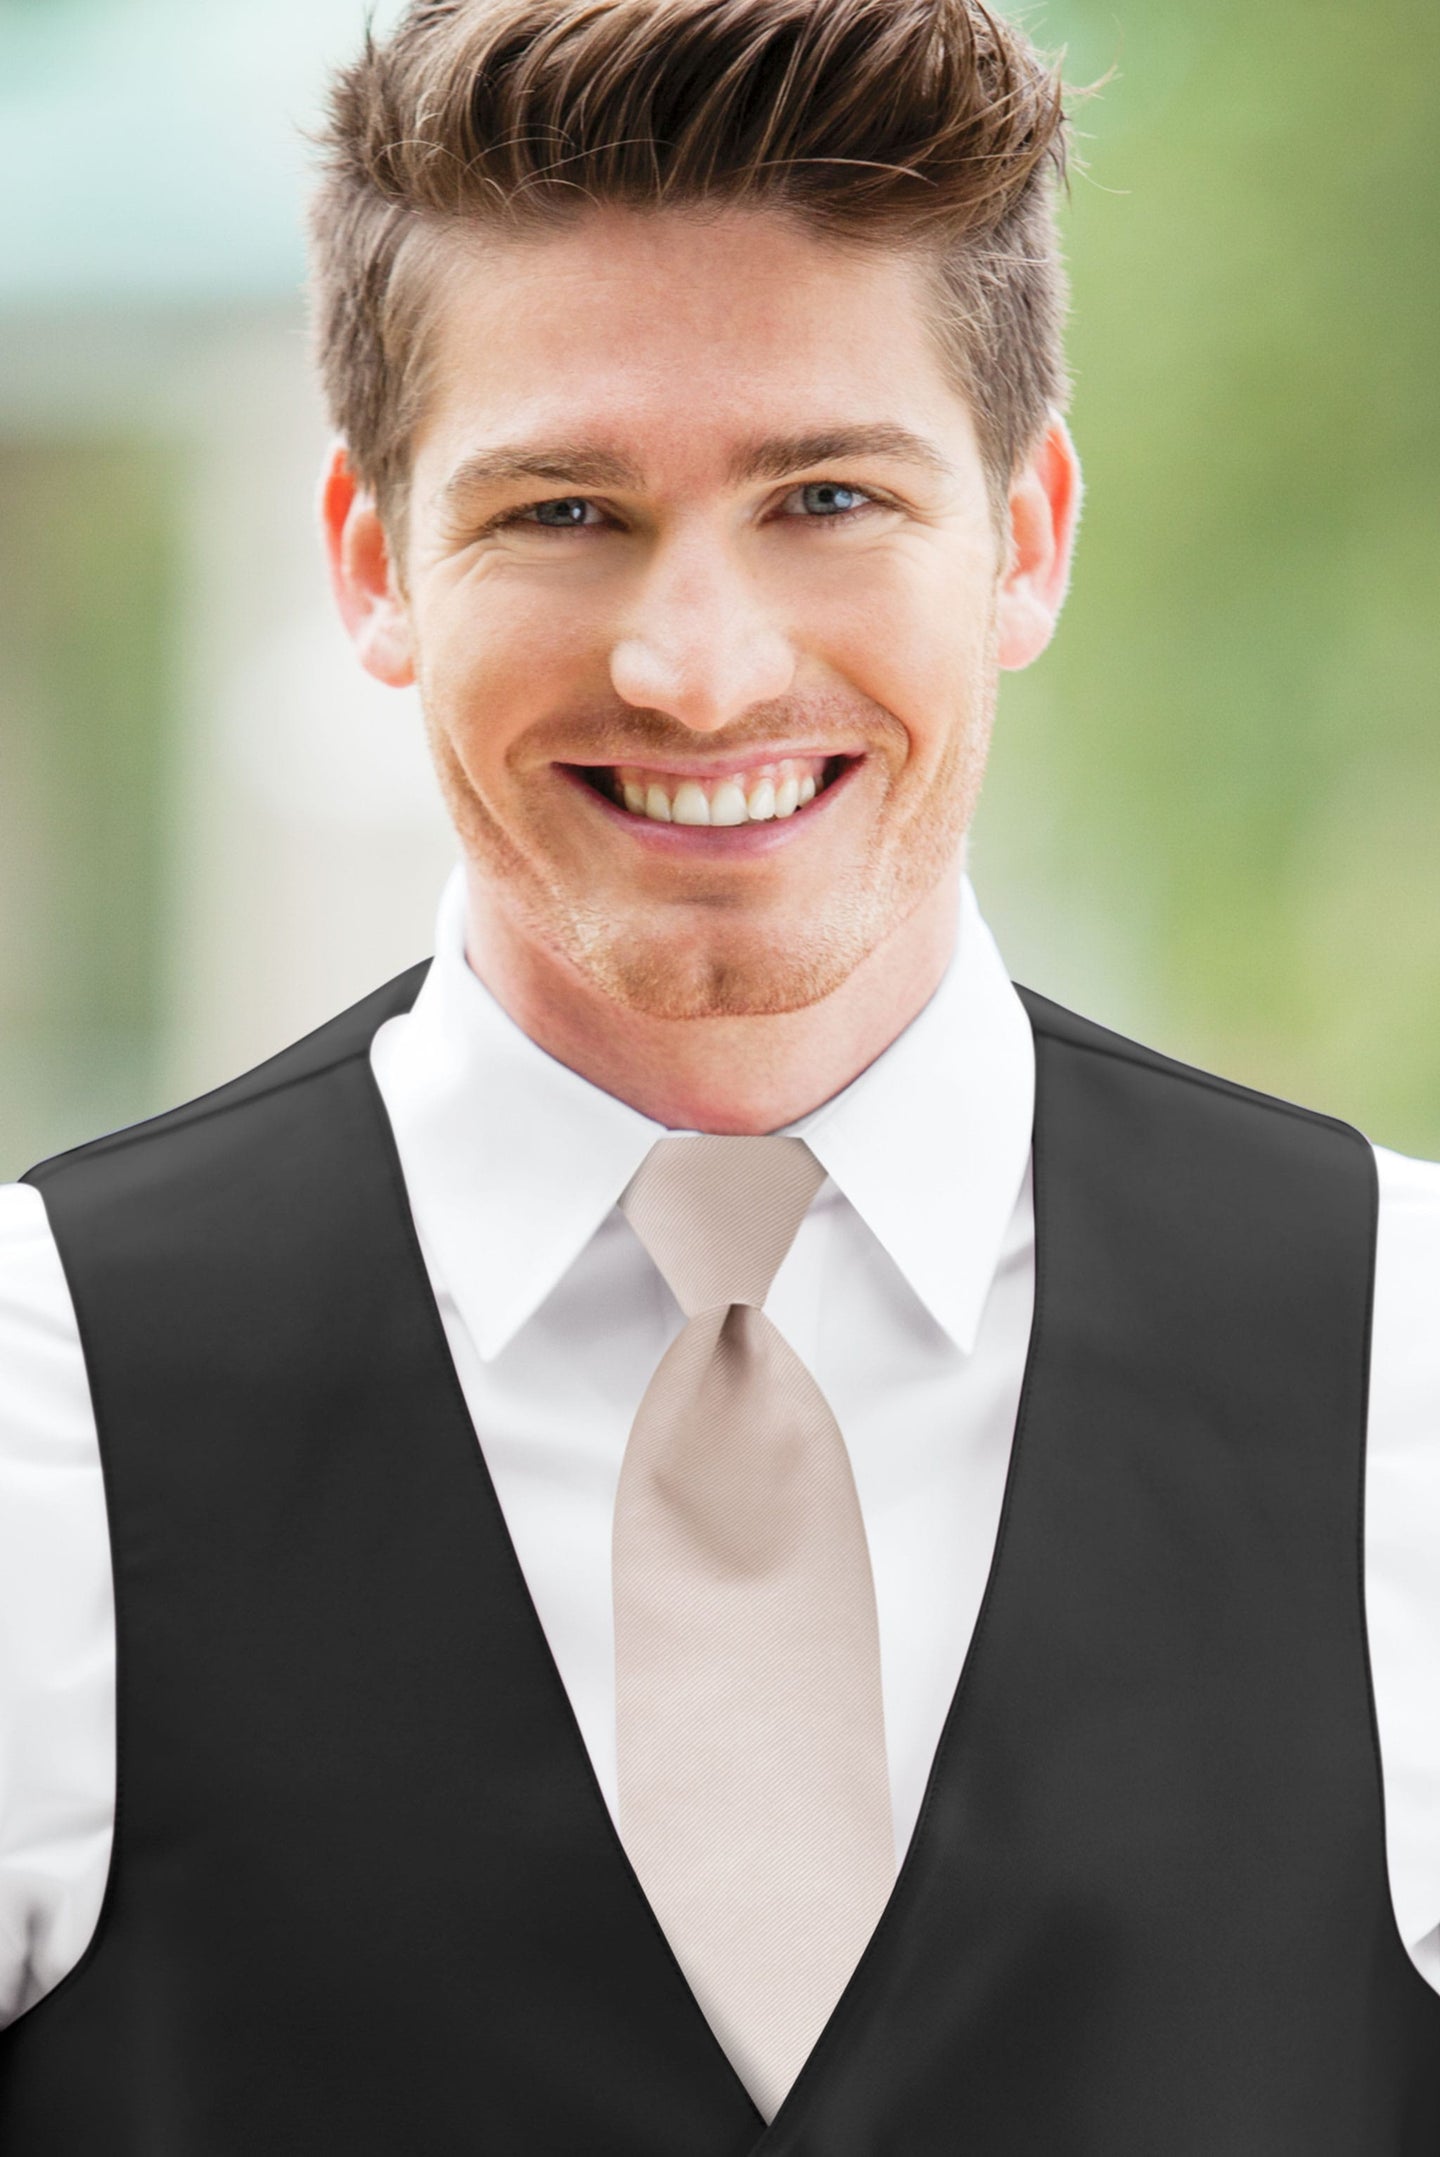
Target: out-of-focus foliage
pixel 1213 807
pixel 86 743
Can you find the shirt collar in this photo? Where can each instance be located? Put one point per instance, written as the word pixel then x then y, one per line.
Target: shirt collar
pixel 512 1160
pixel 930 1143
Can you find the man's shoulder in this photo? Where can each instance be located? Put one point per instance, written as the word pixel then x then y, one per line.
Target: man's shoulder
pixel 337 1041
pixel 1053 1023
pixel 1410 1232
pixel 1409 1181
pixel 1405 1189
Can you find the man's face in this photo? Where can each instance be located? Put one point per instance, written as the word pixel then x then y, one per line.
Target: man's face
pixel 710 685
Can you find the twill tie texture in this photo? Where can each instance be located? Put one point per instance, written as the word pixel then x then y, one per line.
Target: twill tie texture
pixel 754 1792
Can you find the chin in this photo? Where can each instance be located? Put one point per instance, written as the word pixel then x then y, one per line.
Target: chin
pixel 756 975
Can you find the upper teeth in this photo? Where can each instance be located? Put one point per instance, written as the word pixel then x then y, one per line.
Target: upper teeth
pixel 750 797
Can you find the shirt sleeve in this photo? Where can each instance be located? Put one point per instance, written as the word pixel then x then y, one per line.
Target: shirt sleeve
pixel 1402 1541
pixel 57 1634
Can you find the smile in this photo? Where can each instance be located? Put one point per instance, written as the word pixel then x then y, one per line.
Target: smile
pixel 761 792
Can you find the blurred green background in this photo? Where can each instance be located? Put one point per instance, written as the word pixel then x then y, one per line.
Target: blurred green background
pixel 1211 817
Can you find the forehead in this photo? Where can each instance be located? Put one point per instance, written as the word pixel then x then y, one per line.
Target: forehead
pixel 691 329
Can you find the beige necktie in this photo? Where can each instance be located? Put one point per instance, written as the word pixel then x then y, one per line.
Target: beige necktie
pixel 754 1793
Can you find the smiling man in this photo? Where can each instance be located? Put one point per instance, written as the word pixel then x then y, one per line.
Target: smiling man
pixel 711 730
pixel 703 1528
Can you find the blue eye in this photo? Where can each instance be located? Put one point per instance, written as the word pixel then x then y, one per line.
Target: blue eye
pixel 831 497
pixel 572 508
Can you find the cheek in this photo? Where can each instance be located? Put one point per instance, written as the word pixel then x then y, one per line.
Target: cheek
pixel 492 662
pixel 924 660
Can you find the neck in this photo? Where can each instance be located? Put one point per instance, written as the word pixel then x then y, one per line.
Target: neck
pixel 729 1076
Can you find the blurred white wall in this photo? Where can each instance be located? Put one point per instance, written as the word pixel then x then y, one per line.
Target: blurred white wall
pixel 310 843
pixel 151 271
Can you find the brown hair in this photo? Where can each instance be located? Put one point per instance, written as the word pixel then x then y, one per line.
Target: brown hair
pixel 923 124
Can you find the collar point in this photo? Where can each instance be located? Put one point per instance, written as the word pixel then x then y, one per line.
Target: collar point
pixel 961 1336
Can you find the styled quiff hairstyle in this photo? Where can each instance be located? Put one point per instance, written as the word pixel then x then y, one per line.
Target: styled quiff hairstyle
pixel 929 126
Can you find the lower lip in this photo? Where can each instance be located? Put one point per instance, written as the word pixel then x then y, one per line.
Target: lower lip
pixel 712 841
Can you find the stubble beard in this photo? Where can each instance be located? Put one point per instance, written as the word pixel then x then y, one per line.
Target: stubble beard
pixel 742 970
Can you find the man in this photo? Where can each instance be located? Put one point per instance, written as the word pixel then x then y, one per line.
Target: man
pixel 727 1534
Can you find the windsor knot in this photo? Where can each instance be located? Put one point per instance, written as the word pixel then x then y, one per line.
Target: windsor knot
pixel 717 1215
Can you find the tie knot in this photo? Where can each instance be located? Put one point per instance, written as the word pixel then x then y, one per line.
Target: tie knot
pixel 717 1215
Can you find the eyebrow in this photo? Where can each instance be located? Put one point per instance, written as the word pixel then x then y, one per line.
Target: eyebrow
pixel 565 463
pixel 780 454
pixel 582 465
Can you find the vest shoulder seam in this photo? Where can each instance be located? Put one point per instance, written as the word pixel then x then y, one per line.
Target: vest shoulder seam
pixel 203 1109
pixel 1118 1049
pixel 325 1048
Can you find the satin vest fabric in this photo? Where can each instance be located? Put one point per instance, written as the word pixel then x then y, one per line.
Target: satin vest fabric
pixel 365 1894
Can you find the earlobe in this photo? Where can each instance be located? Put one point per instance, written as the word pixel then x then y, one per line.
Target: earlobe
pixel 1044 511
pixel 362 575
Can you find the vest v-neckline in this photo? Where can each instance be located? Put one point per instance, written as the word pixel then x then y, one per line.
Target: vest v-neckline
pixel 868 1971
pixel 357 1888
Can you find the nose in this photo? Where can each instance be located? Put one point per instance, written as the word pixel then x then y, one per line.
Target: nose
pixel 699 642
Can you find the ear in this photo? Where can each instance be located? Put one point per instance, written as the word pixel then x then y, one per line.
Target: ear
pixel 1044 511
pixel 362 577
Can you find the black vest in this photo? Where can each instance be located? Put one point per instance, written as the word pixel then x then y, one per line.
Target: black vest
pixel 366 1899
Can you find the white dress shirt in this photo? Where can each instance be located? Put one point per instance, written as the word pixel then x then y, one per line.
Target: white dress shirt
pixel 908 1292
